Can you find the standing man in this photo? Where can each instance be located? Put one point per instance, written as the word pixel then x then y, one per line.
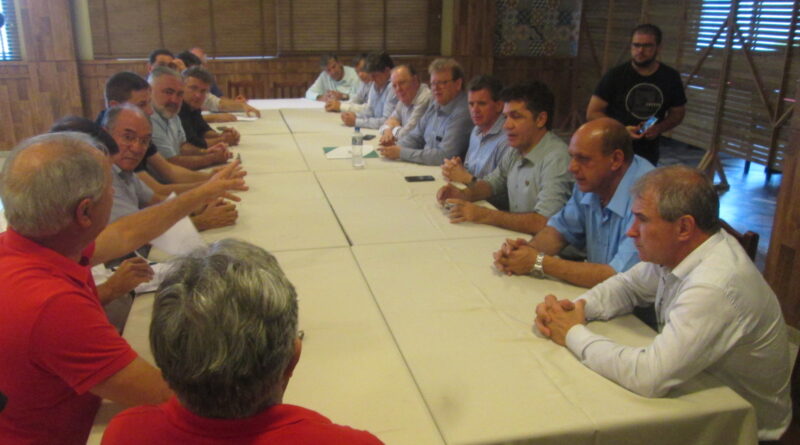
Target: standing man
pixel 640 89
pixel 443 131
pixel 336 81
pixel 595 218
pixel 168 135
pixel 381 99
pixel 534 175
pixel 413 99
pixel 715 312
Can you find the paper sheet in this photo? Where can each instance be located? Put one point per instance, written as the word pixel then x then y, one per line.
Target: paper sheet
pixel 180 239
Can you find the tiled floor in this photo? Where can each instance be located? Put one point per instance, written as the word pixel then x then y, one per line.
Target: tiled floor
pixel 750 202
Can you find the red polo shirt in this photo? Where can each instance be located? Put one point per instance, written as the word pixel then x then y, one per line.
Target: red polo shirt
pixel 172 424
pixel 55 344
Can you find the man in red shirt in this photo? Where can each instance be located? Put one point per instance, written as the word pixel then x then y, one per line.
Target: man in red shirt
pixel 224 333
pixel 59 353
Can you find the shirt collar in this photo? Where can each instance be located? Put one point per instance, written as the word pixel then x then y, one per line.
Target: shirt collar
pixel 697 255
pixel 450 107
pixel 621 199
pixel 532 154
pixel 274 417
pixel 31 249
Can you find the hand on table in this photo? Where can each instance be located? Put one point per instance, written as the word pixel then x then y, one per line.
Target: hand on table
pixel 554 317
pixel 515 257
pixel 387 138
pixel 250 111
pixel 449 191
pixel 219 213
pixel 461 211
pixel 453 170
pixel 349 118
pixel 333 95
pixel 332 105
pixel 230 136
pixel 390 152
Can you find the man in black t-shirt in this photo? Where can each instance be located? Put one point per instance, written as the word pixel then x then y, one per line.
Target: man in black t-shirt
pixel 640 89
pixel 197 82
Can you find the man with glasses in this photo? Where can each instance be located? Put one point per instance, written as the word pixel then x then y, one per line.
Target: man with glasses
pixel 443 131
pixel 639 90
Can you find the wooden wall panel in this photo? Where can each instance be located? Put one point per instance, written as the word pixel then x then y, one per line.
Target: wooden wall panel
pixel 47 29
pixel 783 257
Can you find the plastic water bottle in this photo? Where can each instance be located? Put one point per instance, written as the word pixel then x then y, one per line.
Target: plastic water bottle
pixel 357 149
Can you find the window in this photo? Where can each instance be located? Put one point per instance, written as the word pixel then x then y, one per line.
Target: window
pixel 9 43
pixel 764 25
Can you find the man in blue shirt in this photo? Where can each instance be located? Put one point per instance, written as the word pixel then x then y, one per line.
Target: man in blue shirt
pixel 381 99
pixel 336 81
pixel 596 218
pixel 534 175
pixel 443 131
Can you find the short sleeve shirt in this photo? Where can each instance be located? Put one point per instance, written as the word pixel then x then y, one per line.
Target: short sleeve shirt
pixel 586 224
pixel 168 135
pixel 55 344
pixel 536 182
pixel 130 193
pixel 194 126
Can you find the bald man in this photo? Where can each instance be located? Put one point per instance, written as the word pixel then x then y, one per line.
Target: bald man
pixel 595 218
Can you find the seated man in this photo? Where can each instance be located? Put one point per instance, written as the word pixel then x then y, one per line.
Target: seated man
pixel 381 99
pixel 715 311
pixel 229 373
pixel 197 81
pixel 336 81
pixel 129 88
pixel 595 218
pixel 161 57
pixel 130 129
pixel 443 131
pixel 359 101
pixel 413 99
pixel 66 356
pixel 168 135
pixel 201 55
pixel 534 176
pixel 487 142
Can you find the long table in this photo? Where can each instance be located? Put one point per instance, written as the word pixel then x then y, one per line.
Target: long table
pixel 410 332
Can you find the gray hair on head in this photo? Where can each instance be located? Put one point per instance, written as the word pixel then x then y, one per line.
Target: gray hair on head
pixel 46 177
pixel 680 190
pixel 112 114
pixel 223 329
pixel 444 64
pixel 160 71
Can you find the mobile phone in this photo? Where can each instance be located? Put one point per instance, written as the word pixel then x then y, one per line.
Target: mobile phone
pixel 369 137
pixel 419 178
pixel 647 124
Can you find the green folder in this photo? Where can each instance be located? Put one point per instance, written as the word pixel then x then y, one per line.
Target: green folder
pixel 372 154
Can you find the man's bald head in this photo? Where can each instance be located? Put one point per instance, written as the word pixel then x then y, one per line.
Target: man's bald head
pixel 45 178
pixel 611 135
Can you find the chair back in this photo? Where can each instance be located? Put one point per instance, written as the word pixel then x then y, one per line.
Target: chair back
pixel 748 240
pixel 289 89
pixel 247 88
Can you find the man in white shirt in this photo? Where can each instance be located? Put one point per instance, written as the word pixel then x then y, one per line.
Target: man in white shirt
pixel 359 101
pixel 336 81
pixel 413 98
pixel 715 312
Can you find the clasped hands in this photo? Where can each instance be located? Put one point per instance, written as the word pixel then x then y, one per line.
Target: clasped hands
pixel 459 209
pixel 554 317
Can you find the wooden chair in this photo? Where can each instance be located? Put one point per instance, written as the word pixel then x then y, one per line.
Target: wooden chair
pixel 289 89
pixel 247 88
pixel 748 240
pixel 792 434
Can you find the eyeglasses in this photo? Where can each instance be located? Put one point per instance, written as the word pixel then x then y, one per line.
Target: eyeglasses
pixel 130 138
pixel 643 45
pixel 440 83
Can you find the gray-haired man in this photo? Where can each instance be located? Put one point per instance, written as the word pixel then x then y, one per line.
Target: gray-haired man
pixel 224 333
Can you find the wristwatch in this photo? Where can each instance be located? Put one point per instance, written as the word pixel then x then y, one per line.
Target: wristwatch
pixel 473 181
pixel 537 271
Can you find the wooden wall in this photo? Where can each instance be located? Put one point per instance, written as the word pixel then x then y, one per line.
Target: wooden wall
pixel 44 86
pixel 783 257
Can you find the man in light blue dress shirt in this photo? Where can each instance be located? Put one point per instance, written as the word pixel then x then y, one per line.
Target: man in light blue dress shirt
pixel 596 217
pixel 534 175
pixel 443 132
pixel 381 100
pixel 336 81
